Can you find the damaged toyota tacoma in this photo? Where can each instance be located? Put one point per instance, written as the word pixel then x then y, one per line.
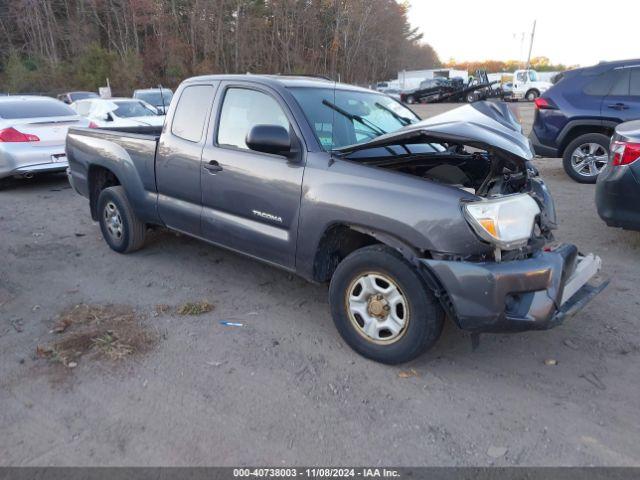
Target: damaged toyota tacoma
pixel 407 221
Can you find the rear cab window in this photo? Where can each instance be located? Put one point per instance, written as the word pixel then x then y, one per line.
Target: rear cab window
pixel 12 109
pixel 191 112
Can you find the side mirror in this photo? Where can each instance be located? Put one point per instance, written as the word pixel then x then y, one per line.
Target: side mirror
pixel 269 139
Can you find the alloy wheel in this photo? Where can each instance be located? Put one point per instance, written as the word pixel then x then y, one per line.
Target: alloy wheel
pixel 589 159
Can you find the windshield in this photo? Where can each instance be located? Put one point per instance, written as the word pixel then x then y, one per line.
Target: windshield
pixel 132 109
pixel 349 117
pixel 154 98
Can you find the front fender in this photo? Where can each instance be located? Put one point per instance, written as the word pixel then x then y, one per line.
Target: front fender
pixel 422 215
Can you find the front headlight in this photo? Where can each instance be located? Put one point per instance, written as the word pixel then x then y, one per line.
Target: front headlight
pixel 506 222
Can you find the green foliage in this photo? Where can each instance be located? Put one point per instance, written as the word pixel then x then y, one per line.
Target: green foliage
pixel 15 76
pixel 94 66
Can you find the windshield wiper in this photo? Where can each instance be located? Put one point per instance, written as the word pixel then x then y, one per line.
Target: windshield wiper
pixel 403 120
pixel 357 118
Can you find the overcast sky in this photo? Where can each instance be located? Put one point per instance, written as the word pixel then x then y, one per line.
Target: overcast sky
pixel 568 31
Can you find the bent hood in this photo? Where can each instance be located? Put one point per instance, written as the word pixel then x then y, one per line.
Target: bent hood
pixel 484 125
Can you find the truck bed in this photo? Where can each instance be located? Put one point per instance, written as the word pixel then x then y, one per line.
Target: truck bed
pixel 129 153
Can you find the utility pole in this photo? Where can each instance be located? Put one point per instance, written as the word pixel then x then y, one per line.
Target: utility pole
pixel 533 33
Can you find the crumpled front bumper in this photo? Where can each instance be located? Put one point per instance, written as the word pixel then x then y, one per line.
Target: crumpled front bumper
pixel 531 294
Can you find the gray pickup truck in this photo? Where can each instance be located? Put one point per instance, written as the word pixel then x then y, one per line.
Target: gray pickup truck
pixel 408 221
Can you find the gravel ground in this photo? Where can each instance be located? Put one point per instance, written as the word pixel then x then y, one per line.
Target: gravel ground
pixel 283 388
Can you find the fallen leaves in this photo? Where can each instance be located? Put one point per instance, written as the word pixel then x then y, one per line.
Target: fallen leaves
pixel 408 373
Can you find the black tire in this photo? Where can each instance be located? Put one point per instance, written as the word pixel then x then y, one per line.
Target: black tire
pixel 531 95
pixel 411 100
pixel 425 315
pixel 471 97
pixel 132 230
pixel 594 138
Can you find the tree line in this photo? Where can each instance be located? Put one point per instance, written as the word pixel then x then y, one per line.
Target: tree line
pixel 541 64
pixel 58 45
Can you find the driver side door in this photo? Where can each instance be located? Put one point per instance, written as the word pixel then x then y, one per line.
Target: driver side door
pixel 251 200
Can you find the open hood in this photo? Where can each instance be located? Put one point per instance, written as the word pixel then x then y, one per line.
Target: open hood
pixel 484 125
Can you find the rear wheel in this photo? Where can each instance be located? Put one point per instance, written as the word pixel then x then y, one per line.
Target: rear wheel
pixel 121 228
pixel 382 308
pixel 411 99
pixel 586 156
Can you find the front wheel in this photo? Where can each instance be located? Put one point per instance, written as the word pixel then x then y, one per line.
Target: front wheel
pixel 382 308
pixel 586 156
pixel 121 228
pixel 532 95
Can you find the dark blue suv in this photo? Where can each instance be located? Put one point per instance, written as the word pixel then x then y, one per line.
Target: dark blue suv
pixel 576 117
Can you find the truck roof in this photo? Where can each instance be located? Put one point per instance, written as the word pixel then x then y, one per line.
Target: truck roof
pixel 281 81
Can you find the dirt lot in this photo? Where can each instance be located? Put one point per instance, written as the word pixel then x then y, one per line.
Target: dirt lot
pixel 158 386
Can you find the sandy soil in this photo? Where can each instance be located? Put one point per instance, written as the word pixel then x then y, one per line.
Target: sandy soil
pixel 283 388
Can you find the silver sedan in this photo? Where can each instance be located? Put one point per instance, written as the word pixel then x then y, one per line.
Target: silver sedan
pixel 32 135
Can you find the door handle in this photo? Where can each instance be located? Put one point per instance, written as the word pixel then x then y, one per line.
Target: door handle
pixel 213 166
pixel 619 106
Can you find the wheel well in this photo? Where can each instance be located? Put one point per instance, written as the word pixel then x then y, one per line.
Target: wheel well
pixel 532 90
pixel 576 131
pixel 336 243
pixel 99 178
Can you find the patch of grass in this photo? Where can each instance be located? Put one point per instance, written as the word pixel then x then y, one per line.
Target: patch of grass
pixel 162 309
pixel 194 308
pixel 111 346
pixel 111 331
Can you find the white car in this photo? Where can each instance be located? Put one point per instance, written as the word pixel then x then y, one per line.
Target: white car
pixel 118 112
pixel 158 97
pixel 32 135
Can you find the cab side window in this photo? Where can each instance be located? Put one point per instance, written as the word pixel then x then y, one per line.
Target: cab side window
pixel 635 82
pixel 242 110
pixel 191 112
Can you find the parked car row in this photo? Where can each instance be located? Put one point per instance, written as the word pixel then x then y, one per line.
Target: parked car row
pixel 576 118
pixel 591 119
pixel 33 128
pixel 118 112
